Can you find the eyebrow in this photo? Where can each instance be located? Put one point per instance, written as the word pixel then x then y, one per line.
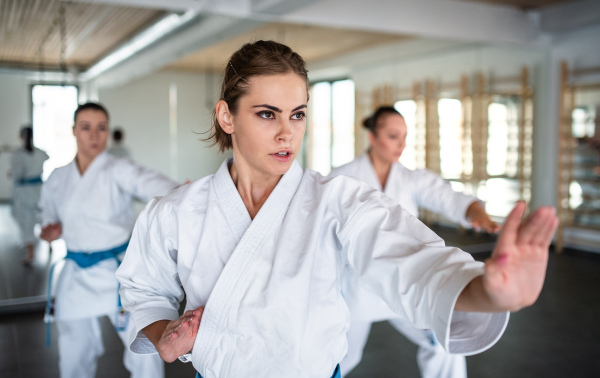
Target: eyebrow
pixel 276 109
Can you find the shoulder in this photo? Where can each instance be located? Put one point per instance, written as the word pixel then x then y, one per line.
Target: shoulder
pixel 183 197
pixel 59 175
pixel 348 169
pixel 343 194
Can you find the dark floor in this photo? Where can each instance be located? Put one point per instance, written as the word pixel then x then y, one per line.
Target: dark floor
pixel 557 337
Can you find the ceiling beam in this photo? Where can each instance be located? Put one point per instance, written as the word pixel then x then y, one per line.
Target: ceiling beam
pixel 205 32
pixel 564 17
pixel 448 19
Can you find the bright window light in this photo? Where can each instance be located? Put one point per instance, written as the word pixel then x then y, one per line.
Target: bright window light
pixel 408 109
pixel 53 108
pixel 450 115
pixel 321 128
pixel 342 146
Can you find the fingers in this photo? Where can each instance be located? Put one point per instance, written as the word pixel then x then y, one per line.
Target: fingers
pixel 187 324
pixel 537 229
pixel 510 228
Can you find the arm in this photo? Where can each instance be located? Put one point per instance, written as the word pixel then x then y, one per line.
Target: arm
pixel 397 258
pixel 150 287
pixel 480 219
pixel 51 226
pixel 141 182
pixel 514 275
pixel 434 193
pixel 175 338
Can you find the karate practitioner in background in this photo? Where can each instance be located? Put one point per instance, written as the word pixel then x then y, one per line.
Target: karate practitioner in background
pixel 88 204
pixel 27 164
pixel 261 248
pixel 118 147
pixel 380 169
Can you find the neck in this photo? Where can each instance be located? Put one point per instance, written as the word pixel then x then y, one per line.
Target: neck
pixel 381 167
pixel 254 187
pixel 83 162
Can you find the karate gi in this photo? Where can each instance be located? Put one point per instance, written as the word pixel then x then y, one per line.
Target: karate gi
pixel 26 170
pixel 411 189
pixel 96 214
pixel 271 286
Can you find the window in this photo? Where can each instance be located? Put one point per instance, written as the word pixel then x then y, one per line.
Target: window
pixel 415 142
pixel 331 125
pixel 450 118
pixel 53 108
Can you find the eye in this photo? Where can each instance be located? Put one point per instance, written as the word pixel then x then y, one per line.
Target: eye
pixel 266 114
pixel 298 116
pixel 393 136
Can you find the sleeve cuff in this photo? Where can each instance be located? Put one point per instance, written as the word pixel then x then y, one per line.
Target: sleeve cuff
pixel 467 333
pixel 138 342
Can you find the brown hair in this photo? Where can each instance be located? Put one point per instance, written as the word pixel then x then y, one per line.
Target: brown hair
pixel 252 59
pixel 370 123
pixel 90 106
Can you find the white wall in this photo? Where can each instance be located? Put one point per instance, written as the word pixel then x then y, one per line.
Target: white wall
pixel 141 108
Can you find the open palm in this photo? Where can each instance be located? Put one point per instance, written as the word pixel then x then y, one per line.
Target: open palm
pixel 514 275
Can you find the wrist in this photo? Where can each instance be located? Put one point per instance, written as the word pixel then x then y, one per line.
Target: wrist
pixel 155 331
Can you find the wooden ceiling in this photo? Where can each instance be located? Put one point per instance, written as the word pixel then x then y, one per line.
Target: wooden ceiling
pixel 30 34
pixel 30 31
pixel 313 43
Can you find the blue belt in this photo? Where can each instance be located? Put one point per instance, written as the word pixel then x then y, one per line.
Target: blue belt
pixel 29 181
pixel 83 260
pixel 336 373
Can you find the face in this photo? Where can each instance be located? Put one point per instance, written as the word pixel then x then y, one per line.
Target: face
pixel 269 124
pixel 390 140
pixel 91 132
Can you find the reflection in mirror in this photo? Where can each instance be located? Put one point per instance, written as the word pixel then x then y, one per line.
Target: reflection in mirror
pixel 24 287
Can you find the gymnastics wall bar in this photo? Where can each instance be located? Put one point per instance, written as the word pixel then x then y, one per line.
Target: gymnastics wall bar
pixel 572 81
pixel 566 147
pixel 480 102
pixel 432 128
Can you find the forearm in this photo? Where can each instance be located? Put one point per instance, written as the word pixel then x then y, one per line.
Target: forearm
pixel 474 298
pixel 155 331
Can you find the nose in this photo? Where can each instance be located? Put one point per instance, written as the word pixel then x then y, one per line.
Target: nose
pixel 285 131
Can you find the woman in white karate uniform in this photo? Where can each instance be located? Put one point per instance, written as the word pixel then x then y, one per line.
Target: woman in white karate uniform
pixel 88 204
pixel 261 248
pixel 27 164
pixel 380 169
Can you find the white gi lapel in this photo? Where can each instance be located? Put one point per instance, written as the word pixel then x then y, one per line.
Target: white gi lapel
pixel 217 330
pixel 368 172
pixel 84 187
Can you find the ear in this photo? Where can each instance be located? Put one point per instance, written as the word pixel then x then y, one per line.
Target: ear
pixel 371 138
pixel 73 129
pixel 224 117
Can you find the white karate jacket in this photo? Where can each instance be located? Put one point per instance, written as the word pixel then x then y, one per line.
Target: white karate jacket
pixel 96 214
pixel 271 286
pixel 412 190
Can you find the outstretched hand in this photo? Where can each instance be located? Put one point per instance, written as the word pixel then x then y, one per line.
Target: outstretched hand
pixel 514 274
pixel 479 219
pixel 175 338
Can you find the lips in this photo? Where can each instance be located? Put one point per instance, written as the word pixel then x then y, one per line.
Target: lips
pixel 283 156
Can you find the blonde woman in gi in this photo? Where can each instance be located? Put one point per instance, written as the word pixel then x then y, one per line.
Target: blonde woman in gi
pixel 261 248
pixel 27 164
pixel 88 204
pixel 380 169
